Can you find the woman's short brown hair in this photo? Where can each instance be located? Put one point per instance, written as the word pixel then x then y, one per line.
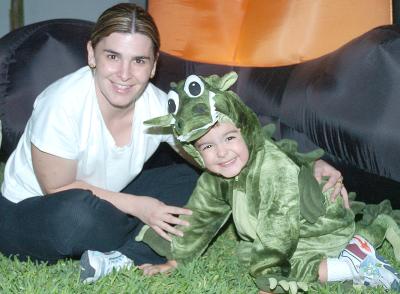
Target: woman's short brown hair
pixel 126 18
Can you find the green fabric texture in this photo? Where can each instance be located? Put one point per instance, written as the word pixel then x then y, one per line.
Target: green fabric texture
pixel 311 197
pixel 285 223
pixel 279 285
pixel 158 244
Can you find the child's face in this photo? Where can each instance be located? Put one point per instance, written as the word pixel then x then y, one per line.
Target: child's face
pixel 223 150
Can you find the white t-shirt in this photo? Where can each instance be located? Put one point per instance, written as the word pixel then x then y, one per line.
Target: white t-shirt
pixel 67 122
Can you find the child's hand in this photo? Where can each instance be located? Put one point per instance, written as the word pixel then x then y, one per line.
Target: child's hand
pixel 152 269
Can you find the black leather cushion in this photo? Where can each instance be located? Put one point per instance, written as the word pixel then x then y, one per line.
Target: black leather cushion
pixel 31 58
pixel 346 102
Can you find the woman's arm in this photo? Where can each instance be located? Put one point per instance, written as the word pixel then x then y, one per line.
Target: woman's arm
pixel 57 174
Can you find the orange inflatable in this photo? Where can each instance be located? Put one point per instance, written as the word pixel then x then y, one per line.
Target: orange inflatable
pixel 263 32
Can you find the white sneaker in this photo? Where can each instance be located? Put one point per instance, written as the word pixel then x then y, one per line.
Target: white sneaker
pixel 369 268
pixel 95 264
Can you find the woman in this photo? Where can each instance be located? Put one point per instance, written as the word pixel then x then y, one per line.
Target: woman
pixel 84 147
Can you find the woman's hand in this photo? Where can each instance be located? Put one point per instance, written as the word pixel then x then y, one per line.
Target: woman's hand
pixel 323 169
pixel 160 217
pixel 152 269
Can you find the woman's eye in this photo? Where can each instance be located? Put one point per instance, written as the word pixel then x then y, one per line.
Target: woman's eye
pixel 139 60
pixel 112 56
pixel 230 138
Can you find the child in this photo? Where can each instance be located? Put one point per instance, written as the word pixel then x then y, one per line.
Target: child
pixel 283 241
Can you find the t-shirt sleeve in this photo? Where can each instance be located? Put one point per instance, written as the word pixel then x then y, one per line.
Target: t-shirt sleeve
pixel 53 129
pixel 170 140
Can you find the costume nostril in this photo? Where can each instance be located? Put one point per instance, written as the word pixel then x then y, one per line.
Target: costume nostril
pixel 200 108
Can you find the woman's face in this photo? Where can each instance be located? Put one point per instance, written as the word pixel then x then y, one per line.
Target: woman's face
pixel 124 64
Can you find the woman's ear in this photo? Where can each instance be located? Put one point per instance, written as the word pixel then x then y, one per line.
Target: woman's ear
pixel 90 52
pixel 153 70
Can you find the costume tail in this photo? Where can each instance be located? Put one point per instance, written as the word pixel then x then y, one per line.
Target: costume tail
pixel 382 227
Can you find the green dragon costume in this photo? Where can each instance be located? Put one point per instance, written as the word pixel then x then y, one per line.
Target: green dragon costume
pixel 285 223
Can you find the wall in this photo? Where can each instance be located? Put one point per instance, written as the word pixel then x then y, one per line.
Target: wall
pixel 38 10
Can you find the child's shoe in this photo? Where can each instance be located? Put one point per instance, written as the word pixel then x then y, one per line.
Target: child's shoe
pixel 369 268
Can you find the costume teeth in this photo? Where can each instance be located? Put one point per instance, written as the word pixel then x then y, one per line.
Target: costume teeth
pixel 213 110
pixel 186 137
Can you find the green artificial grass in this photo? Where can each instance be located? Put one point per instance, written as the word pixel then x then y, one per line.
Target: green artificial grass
pixel 217 271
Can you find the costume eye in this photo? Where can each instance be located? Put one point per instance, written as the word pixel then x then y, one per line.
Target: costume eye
pixel 173 102
pixel 194 87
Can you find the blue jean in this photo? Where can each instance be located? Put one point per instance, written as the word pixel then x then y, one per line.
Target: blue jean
pixel 64 225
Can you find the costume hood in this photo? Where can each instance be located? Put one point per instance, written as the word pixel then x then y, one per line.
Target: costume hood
pixel 197 103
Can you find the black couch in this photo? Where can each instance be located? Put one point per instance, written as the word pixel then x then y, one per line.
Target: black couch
pixel 346 102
